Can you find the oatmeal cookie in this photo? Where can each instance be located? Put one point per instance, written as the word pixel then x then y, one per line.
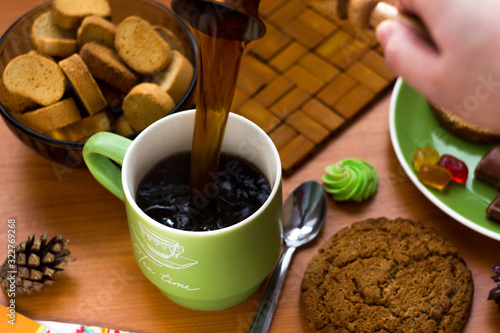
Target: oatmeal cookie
pixel 383 275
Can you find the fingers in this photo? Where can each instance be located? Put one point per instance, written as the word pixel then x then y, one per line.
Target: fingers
pixel 383 11
pixel 408 55
pixel 427 10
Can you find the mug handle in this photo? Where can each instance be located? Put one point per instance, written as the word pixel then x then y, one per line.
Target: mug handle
pixel 98 153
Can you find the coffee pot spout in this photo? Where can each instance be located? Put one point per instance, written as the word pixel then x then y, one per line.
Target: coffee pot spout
pixel 226 19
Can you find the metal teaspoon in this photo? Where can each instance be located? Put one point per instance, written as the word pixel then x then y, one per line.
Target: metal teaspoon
pixel 303 214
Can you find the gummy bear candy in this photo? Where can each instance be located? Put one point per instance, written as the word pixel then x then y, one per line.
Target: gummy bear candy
pixel 424 155
pixel 458 169
pixel 434 175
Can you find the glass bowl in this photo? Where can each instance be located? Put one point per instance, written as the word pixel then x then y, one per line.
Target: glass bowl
pixel 17 40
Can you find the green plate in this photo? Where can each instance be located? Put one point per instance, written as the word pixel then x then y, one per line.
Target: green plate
pixel 412 125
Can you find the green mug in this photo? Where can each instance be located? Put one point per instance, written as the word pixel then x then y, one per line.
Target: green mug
pixel 203 270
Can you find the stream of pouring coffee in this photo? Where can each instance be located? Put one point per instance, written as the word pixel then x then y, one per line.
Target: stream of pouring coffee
pixel 219 53
pixel 219 62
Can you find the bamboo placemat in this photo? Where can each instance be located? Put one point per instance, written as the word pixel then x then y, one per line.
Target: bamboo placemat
pixel 307 78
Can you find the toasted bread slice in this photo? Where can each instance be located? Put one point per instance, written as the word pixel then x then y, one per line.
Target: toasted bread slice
pixel 122 127
pixel 45 55
pixel 169 37
pixel 98 30
pixel 68 14
pixel 14 103
pixel 145 104
pixel 175 80
pixel 106 65
pixel 113 96
pixel 82 129
pixel 49 38
pixel 461 128
pixel 141 47
pixel 35 77
pixel 51 117
pixel 359 12
pixel 83 84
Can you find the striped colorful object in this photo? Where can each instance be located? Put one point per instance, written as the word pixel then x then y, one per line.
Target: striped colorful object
pixel 17 323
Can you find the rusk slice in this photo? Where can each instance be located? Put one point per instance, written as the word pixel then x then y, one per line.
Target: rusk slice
pixel 45 55
pixel 36 78
pixel 51 117
pixel 113 96
pixel 175 80
pixel 141 47
pixel 98 30
pixel 68 14
pixel 122 127
pixel 83 84
pixel 14 103
pixel 169 37
pixel 106 65
pixel 82 129
pixel 145 104
pixel 50 39
pixel 359 12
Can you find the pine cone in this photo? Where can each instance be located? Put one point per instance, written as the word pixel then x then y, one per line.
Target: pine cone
pixel 495 292
pixel 36 263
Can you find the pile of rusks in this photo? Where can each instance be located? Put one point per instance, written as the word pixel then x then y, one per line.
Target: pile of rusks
pixel 83 66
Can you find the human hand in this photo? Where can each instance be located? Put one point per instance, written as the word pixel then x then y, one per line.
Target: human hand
pixel 461 71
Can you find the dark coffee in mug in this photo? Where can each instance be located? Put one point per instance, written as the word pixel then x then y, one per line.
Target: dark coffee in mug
pixel 237 191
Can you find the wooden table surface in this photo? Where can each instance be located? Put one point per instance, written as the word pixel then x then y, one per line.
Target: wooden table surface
pixel 104 286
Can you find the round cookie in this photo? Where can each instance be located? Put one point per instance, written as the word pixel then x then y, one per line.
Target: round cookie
pixel 383 275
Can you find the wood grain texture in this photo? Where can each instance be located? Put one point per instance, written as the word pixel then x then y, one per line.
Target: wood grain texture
pixel 105 286
pixel 309 56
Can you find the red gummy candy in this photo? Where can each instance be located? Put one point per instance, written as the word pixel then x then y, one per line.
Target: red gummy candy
pixel 458 169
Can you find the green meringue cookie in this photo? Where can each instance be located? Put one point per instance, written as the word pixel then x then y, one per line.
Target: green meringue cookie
pixel 350 179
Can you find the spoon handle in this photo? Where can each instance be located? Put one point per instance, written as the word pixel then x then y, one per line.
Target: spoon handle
pixel 265 312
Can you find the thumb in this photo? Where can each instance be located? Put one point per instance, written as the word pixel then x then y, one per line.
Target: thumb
pixel 408 55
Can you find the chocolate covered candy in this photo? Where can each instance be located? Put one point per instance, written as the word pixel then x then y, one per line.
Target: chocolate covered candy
pixel 488 169
pixel 493 209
